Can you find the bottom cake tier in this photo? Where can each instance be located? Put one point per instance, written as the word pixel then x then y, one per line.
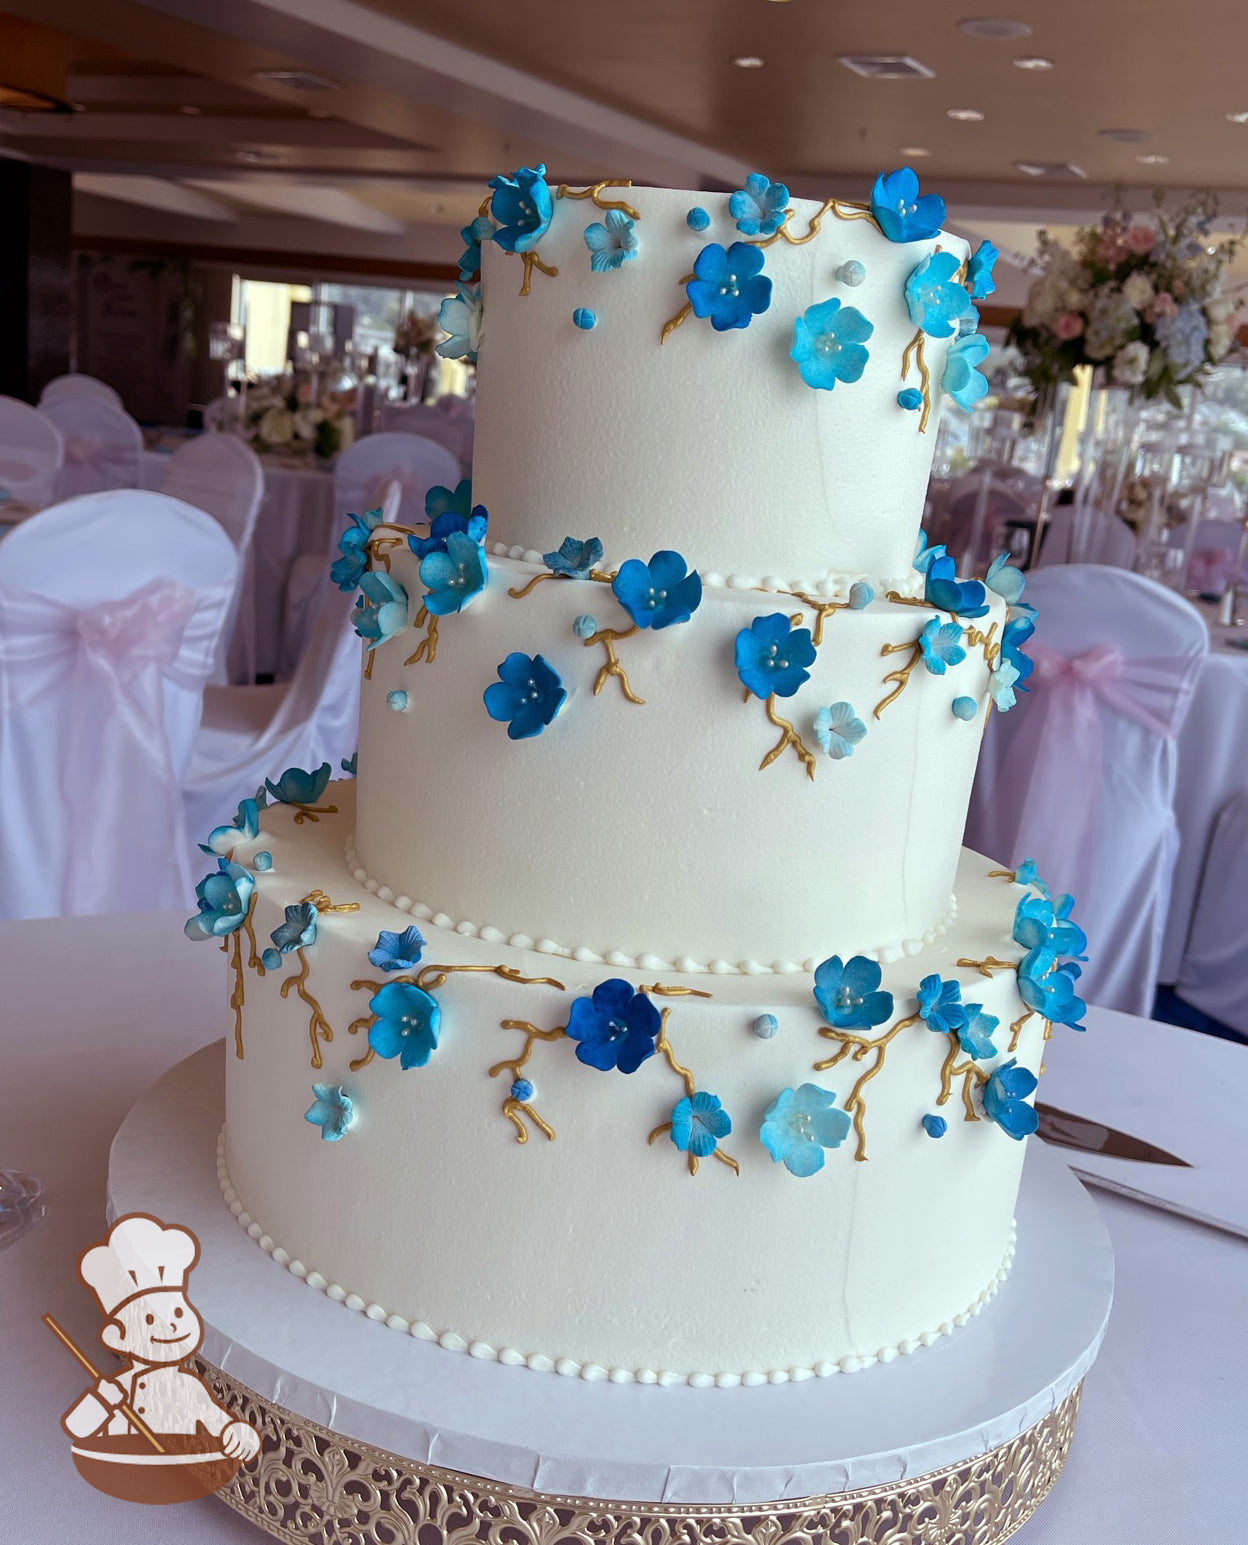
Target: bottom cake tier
pixel 446 1133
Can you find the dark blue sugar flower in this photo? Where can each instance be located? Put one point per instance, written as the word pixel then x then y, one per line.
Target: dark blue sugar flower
pixel 612 243
pixel 901 212
pixel 1005 1100
pixel 224 901
pixel 934 299
pixel 1013 637
pixel 441 500
pixel 407 1024
pixel 299 929
pixel 245 828
pixel 455 577
pixel 575 559
pixel 381 610
pixel 925 556
pixel 760 206
pixel 967 598
pixel 935 1126
pixel 1040 923
pixel 940 1004
pixel 975 1036
pixel 848 993
pixel 447 512
pixel 961 379
pixel 772 656
pixel 522 206
pixel 615 1027
pixel 347 571
pixel 472 235
pixel 659 593
pixel 527 696
pixel 941 646
pixel 799 1124
pixel 729 287
pixel 979 270
pixel 331 1110
pixel 296 787
pixel 698 1123
pixel 829 344
pixel 397 951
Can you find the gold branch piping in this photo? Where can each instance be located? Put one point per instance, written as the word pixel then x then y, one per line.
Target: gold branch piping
pixel 659 991
pixel 368 667
pixel 914 349
pixel 664 1047
pixel 595 193
pixel 842 209
pixel 901 676
pixel 608 638
pixel 515 1110
pixel 430 978
pixel 896 597
pixel 519 595
pixel 822 610
pixel 988 965
pixel 238 992
pixel 788 737
pixel 686 310
pixel 976 638
pixel 427 649
pixel 532 261
pixel 319 1028
pixel 860 1047
pixel 1016 1029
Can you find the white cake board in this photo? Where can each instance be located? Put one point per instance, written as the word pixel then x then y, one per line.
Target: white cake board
pixel 969 1393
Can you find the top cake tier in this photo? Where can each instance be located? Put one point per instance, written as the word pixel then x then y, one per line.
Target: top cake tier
pixel 607 401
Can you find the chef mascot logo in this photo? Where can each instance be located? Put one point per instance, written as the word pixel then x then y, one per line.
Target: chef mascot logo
pixel 150 1431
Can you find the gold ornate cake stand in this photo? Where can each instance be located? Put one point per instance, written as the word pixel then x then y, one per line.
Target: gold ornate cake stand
pixel 308 1483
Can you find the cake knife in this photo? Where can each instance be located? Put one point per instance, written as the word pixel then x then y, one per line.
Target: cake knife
pixel 1064 1130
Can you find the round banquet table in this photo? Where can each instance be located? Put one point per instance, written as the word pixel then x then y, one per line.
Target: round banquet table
pixel 97 1008
pixel 297 516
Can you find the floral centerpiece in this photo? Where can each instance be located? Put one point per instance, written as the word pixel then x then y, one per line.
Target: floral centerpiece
pixel 1141 299
pixel 283 417
pixel 417 334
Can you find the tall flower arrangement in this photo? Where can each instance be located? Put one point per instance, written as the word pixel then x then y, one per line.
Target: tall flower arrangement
pixel 1141 298
pixel 283 417
pixel 417 334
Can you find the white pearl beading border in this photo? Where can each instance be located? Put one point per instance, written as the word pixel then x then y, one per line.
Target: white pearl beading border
pixel 569 1367
pixel 681 964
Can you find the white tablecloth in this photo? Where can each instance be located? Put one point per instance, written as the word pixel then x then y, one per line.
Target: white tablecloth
pixel 96 1008
pixel 297 516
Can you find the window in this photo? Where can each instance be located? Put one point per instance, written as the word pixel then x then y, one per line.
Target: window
pixel 264 310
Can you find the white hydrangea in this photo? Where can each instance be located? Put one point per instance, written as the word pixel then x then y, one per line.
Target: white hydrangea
pixel 1130 364
pixel 1138 290
pixel 277 427
pixel 1219 340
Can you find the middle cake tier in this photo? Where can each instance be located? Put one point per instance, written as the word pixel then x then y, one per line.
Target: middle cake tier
pixel 632 819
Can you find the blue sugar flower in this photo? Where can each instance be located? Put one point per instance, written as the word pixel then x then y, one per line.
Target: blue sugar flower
pixel 963 382
pixel 1013 636
pixel 450 523
pixel 585 626
pixel 772 656
pixel 407 1023
pixel 245 828
pixel 935 1126
pixel 270 959
pixel 967 598
pixel 934 299
pixel 861 595
pixel 454 578
pixel 979 270
pixel 347 571
pixel 521 1090
pixel 397 951
pixel 975 1036
pixel 224 902
pixel 1007 582
pixel 899 209
pixel 527 696
pixel 659 593
pixel 838 730
pixel 1002 680
pixel 381 610
pixel 765 1026
pixel 472 235
pixel 461 317
pixel 941 646
pixel 262 862
pixel 848 994
pixel 331 1110
pixel 397 702
pixel 440 500
pixel 940 1004
pixel 911 399
pixel 964 708
pixel 760 206
pixel 729 287
pixel 1028 874
pixel 1041 923
pixel 615 1027
pixel 1049 989
pixel 698 1123
pixel 799 1124
pixel 351 764
pixel 697 219
pixel 925 556
pixel 296 787
pixel 612 243
pixel 829 344
pixel 575 559
pixel 299 929
pixel 522 206
pixel 1005 1100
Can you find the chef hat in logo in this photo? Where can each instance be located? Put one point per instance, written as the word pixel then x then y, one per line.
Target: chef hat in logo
pixel 139 1256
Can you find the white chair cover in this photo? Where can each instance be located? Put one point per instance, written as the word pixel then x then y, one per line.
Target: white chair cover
pixel 362 475
pixel 1080 775
pixel 31 452
pixel 422 418
pixel 1112 540
pixel 1215 548
pixel 214 413
pixel 1214 973
pixel 78 386
pixel 110 610
pixel 103 445
pixel 222 475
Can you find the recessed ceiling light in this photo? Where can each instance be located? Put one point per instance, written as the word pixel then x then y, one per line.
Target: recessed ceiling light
pixel 914 150
pixel 258 157
pixel 1153 160
pixel 748 62
pixel 993 27
pixel 1237 117
pixel 1124 136
pixel 300 80
pixel 1057 170
pixel 886 66
pixel 965 114
pixel 436 209
pixel 190 110
pixel 1033 62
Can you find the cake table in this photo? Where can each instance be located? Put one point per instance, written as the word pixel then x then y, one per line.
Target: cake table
pixel 373 1436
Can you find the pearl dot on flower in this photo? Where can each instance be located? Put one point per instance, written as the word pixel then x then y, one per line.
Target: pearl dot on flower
pixel 585 626
pixel 263 861
pixel 851 272
pixel 765 1026
pixel 584 318
pixel 964 707
pixel 396 701
pixel 935 1126
pixel 697 219
pixel 522 1090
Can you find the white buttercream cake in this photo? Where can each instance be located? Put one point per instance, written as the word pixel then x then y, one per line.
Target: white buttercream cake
pixel 635 1014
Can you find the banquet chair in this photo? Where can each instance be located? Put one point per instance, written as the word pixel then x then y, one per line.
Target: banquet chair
pixel 362 475
pixel 1214 974
pixel 978 501
pixel 103 445
pixel 1112 541
pixel 31 452
pixel 1080 775
pixel 111 606
pixel 422 418
pixel 1215 547
pixel 78 386
pixel 222 475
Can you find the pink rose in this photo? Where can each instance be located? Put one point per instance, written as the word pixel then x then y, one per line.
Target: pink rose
pixel 1140 239
pixel 1067 325
pixel 1163 304
pixel 303 392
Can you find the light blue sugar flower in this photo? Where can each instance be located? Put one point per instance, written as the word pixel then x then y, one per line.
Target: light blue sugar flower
pixel 759 208
pixel 331 1110
pixel 979 270
pixel 1005 581
pixel 381 610
pixel 901 212
pixel 575 559
pixel 838 730
pixel 299 929
pixel 1048 988
pixel 940 1004
pixel 454 578
pixel 611 242
pixel 1002 680
pixel 975 1036
pixel 925 556
pixel 772 655
pixel 964 708
pixel 397 951
pixel 347 570
pixel 245 828
pixel 1041 923
pixel 934 299
pixel 522 206
pixel 861 595
pixel 527 695
pixel 829 344
pixel 1005 1100
pixel 799 1124
pixel 698 1123
pixel 296 787
pixel 270 959
pixel 941 646
pixel 1028 874
pixel 472 235
pixel 461 316
pixel 961 380
pixel 848 993
pixel 729 286
pixel 660 593
pixel 224 901
pixel 407 1024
